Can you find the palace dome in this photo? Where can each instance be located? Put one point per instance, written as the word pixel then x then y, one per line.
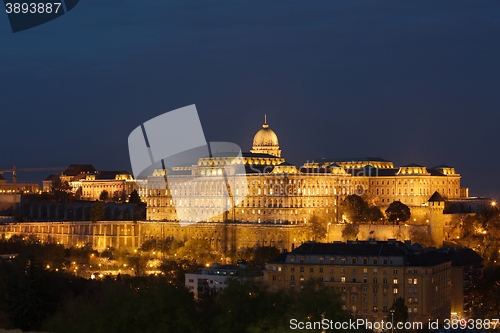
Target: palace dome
pixel 265 141
pixel 265 137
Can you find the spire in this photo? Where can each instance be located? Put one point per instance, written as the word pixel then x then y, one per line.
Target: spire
pixel 265 122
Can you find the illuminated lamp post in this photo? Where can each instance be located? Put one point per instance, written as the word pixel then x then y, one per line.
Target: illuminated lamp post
pixel 392 313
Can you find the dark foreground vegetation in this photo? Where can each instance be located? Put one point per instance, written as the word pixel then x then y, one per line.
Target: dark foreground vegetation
pixel 37 296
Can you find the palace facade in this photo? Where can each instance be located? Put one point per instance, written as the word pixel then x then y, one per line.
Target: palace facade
pixel 260 186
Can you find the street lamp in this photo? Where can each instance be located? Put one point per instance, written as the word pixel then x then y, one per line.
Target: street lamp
pixel 392 313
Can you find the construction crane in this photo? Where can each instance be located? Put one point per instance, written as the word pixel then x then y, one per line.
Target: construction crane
pixel 15 170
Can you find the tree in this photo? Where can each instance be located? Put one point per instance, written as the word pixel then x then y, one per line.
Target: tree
pixel 350 231
pixel 421 237
pixel 104 195
pixel 78 193
pixel 28 298
pixel 138 305
pixel 400 311
pixel 60 190
pixel 199 250
pixel 398 212
pixel 263 254
pixel 123 196
pixel 175 270
pixel 134 197
pixel 354 208
pixel 116 196
pixel 375 214
pixel 148 245
pixel 246 306
pixel 97 212
pixel 317 227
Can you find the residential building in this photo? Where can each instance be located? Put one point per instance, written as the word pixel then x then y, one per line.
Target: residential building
pixel 214 279
pixel 370 275
pixel 466 272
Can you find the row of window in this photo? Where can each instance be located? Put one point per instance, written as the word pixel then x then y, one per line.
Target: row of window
pixel 354 279
pixel 353 261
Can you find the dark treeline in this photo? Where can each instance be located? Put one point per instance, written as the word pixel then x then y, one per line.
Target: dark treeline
pixel 35 295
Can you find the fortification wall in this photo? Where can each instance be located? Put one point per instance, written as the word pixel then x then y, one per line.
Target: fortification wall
pixel 222 237
pixel 118 234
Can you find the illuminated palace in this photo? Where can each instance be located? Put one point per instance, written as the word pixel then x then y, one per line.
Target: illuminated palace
pixel 272 190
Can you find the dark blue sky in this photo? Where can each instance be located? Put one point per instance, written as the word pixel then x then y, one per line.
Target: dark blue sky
pixel 409 81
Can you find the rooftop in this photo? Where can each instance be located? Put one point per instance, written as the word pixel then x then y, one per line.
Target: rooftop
pixel 412 255
pixel 75 169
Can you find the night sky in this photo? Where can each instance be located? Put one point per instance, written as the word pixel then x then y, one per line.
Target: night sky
pixel 408 81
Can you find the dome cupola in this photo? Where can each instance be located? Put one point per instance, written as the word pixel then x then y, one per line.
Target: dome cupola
pixel 265 141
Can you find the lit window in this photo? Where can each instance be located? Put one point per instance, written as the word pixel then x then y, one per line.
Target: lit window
pixel 342 279
pixel 395 290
